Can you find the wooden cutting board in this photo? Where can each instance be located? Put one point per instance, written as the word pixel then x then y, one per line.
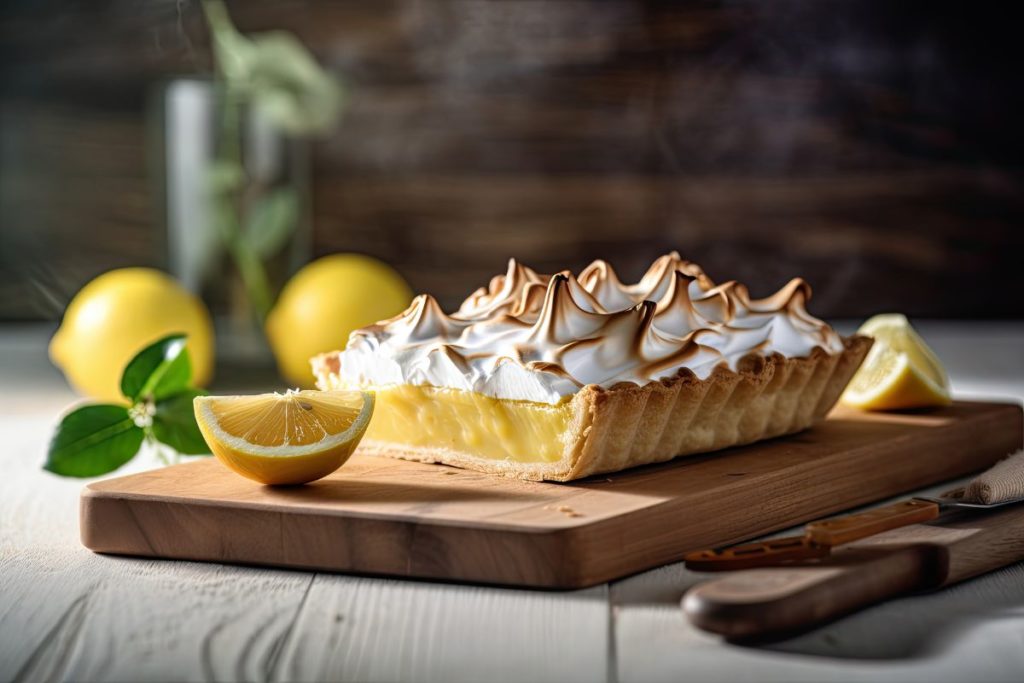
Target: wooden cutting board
pixel 384 516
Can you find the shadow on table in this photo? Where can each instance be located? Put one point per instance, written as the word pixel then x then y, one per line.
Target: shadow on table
pixel 907 628
pixel 915 626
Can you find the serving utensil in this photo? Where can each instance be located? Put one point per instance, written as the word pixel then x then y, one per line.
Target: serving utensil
pixel 1000 486
pixel 840 565
pixel 770 602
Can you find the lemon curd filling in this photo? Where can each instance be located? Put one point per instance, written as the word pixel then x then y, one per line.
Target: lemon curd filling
pixel 560 376
pixel 468 422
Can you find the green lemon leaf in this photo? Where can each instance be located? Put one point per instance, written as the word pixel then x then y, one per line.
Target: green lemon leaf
pixel 271 221
pixel 161 369
pixel 93 440
pixel 174 423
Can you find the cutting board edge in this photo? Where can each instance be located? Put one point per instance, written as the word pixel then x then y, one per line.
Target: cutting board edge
pixel 99 535
pixel 569 551
pixel 997 448
pixel 570 524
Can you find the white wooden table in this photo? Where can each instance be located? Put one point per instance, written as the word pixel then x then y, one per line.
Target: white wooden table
pixel 67 614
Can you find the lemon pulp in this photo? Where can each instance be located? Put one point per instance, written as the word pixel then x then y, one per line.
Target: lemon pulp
pixel 289 438
pixel 900 371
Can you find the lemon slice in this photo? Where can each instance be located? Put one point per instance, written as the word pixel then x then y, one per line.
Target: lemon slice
pixel 289 438
pixel 900 371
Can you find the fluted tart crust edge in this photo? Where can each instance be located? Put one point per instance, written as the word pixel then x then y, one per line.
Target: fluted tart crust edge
pixel 629 425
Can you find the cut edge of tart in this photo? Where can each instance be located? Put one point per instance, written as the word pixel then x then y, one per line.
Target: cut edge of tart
pixel 563 376
pixel 558 377
pixel 609 430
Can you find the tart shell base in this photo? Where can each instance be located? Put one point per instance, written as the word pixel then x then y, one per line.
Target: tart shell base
pixel 630 425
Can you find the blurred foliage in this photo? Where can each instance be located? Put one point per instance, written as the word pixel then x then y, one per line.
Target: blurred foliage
pixel 278 77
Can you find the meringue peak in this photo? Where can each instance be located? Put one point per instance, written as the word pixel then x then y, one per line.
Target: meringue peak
pixel 537 337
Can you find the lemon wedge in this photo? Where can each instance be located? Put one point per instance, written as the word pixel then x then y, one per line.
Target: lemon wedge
pixel 290 438
pixel 900 371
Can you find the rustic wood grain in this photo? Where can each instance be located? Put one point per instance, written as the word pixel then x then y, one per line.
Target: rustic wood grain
pixel 384 516
pixel 69 615
pixel 872 148
pixel 952 635
pixel 233 619
pixel 373 630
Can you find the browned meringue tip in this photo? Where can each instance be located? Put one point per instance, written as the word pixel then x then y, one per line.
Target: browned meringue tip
pixel 410 310
pixel 794 294
pixel 328 363
pixel 599 273
pixel 601 329
pixel 678 292
pixel 556 299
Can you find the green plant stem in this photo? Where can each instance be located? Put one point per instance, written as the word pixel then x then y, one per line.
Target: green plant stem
pixel 254 279
pixel 158 450
pixel 217 17
pixel 250 267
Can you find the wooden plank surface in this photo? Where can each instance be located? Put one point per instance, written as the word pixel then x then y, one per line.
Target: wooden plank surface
pixel 384 516
pixel 871 147
pixel 67 614
pixel 772 601
pixel 124 619
pixel 969 632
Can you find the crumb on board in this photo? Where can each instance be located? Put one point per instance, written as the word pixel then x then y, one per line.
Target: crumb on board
pixel 564 509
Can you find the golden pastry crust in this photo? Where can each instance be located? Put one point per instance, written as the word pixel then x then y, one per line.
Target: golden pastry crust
pixel 630 425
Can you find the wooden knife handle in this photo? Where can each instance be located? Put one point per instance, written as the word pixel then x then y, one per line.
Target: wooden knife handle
pixel 777 601
pixel 761 554
pixel 840 530
pixel 817 540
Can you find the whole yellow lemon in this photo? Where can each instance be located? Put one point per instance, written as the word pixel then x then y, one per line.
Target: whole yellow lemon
pixel 324 302
pixel 115 316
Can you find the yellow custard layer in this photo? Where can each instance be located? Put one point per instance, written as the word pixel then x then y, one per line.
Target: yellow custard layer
pixel 498 429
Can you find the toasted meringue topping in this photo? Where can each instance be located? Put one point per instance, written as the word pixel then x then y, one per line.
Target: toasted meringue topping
pixel 533 337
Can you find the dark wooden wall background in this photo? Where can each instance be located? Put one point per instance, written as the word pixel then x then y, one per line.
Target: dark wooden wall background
pixel 873 147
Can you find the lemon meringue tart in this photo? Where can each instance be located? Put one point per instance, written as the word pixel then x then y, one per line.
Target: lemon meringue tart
pixel 558 377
